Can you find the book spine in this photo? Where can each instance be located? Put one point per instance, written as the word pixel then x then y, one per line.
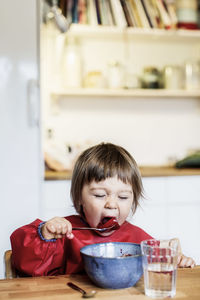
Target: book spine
pixel 103 13
pixel 157 14
pixel 143 15
pixel 129 8
pixel 68 12
pixel 152 13
pixel 82 14
pixel 136 13
pixel 98 11
pixel 112 13
pixel 92 13
pixel 107 10
pixel 75 11
pixel 118 13
pixel 62 6
pixel 163 14
pixel 126 13
pixel 171 8
pixel 147 13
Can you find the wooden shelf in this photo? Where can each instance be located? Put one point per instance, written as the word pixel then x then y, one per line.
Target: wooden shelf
pixel 131 93
pixel 146 171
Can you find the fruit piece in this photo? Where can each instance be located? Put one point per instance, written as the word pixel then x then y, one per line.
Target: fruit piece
pixel 108 222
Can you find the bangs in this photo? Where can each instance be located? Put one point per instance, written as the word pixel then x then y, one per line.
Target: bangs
pixel 100 169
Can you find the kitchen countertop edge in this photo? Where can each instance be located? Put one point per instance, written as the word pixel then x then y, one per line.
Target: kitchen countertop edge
pixel 146 171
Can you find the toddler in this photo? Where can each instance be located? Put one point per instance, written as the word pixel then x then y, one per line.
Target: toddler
pixel 106 184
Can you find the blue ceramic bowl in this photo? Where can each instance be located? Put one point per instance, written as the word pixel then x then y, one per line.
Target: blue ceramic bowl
pixel 113 265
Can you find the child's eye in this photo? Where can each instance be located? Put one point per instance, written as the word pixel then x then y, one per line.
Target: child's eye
pixel 99 195
pixel 123 197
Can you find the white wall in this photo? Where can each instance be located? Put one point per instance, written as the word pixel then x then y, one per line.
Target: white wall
pixel 172 209
pixel 153 131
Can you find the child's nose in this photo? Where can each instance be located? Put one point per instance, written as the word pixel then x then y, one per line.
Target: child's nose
pixel 111 202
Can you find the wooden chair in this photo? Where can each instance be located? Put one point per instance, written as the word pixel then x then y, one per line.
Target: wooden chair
pixel 9 270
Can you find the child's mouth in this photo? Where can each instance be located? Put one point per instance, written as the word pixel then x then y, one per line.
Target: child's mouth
pixel 110 223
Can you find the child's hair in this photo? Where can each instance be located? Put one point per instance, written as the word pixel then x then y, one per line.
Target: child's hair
pixel 103 161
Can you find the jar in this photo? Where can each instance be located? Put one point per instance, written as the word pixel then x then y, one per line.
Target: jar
pixel 187 14
pixel 93 79
pixel 172 77
pixel 151 78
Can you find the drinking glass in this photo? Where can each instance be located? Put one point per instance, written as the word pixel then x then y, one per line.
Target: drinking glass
pixel 159 258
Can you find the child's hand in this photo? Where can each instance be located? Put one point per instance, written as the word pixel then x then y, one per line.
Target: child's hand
pixel 57 228
pixel 185 262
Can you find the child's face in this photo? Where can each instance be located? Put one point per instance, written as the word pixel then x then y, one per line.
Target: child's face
pixel 108 198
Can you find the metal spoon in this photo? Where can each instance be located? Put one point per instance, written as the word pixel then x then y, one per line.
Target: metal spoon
pixel 92 228
pixel 85 294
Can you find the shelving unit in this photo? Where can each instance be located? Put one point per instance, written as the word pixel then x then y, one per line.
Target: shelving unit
pixel 106 32
pixel 160 113
pixel 155 126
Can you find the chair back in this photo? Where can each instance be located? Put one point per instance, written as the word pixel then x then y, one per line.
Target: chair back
pixel 9 270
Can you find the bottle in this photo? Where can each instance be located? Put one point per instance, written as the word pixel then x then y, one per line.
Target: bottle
pixel 192 75
pixel 72 68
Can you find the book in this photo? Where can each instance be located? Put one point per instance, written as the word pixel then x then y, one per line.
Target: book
pixel 129 8
pixel 153 13
pixel 171 8
pixel 75 11
pixel 62 5
pixel 149 9
pixel 91 12
pixel 82 12
pixel 118 13
pixel 104 12
pixel 164 14
pixel 143 16
pixel 111 12
pixel 98 11
pixel 127 13
pixel 135 14
pixel 68 10
pixel 157 14
pixel 147 12
pixel 108 12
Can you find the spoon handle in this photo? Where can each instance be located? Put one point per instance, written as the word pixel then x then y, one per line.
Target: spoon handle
pixel 92 228
pixel 86 228
pixel 75 287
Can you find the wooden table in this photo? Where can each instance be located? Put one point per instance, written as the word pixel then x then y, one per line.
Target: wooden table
pixel 55 288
